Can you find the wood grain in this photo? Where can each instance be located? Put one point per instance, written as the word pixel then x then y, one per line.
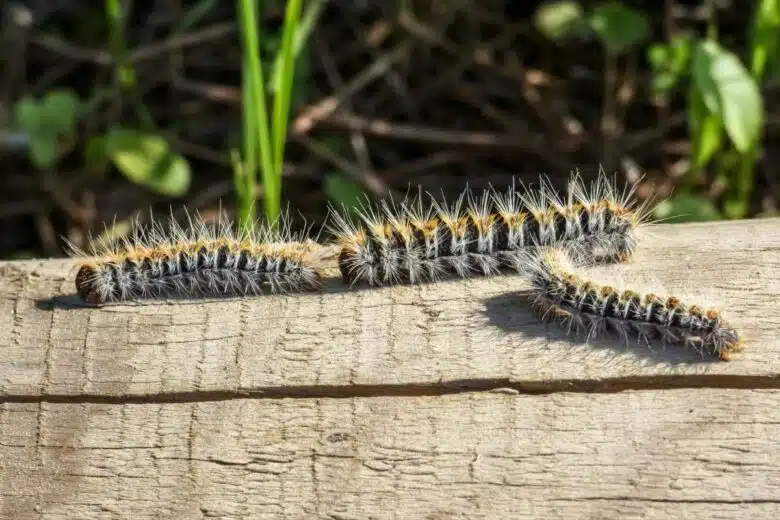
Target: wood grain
pixel 488 455
pixel 444 401
pixel 460 334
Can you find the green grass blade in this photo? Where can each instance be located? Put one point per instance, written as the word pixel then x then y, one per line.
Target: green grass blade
pixel 307 24
pixel 248 15
pixel 246 170
pixel 284 93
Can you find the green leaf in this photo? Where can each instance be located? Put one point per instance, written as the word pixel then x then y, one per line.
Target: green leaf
pixel 560 20
pixel 147 160
pixel 60 110
pixel 117 231
pixel 706 129
pixel 765 36
pixel 670 62
pixel 681 49
pixel 728 90
pixel 343 191
pixel 663 82
pixel 43 151
pixel 664 77
pixel 685 207
pixel 27 115
pixel 701 69
pixel 96 154
pixel 658 55
pixel 618 27
pixel 55 115
pixel 709 139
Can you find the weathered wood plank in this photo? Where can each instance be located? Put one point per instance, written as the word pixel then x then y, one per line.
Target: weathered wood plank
pixel 477 330
pixel 638 454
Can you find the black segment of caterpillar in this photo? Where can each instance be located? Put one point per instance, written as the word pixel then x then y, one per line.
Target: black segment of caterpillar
pixel 424 240
pixel 558 293
pixel 203 260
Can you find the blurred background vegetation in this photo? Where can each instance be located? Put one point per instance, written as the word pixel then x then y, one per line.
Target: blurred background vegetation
pixel 108 109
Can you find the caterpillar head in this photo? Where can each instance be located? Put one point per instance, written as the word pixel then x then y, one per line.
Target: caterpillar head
pixel 86 284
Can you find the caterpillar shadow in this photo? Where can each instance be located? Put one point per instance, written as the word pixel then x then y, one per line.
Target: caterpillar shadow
pixel 512 313
pixel 73 301
pixel 330 283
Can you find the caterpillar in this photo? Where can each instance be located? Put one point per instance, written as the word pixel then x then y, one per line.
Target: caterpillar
pixel 205 259
pixel 418 241
pixel 581 304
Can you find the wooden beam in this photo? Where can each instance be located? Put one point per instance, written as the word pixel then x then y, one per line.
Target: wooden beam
pixel 442 401
pixel 450 336
pixel 637 454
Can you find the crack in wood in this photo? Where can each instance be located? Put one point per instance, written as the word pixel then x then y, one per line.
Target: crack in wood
pixel 603 386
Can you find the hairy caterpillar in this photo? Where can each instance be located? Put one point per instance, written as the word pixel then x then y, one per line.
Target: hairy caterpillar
pixel 202 260
pixel 481 235
pixel 581 304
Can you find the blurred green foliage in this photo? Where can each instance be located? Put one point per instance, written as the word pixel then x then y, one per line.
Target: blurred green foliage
pixel 140 150
pixel 146 159
pixel 723 94
pixel 618 28
pixel 343 191
pixel 47 123
pixel 721 86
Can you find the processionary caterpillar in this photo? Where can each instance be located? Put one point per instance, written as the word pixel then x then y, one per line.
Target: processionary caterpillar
pixel 411 243
pixel 202 260
pixel 583 305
